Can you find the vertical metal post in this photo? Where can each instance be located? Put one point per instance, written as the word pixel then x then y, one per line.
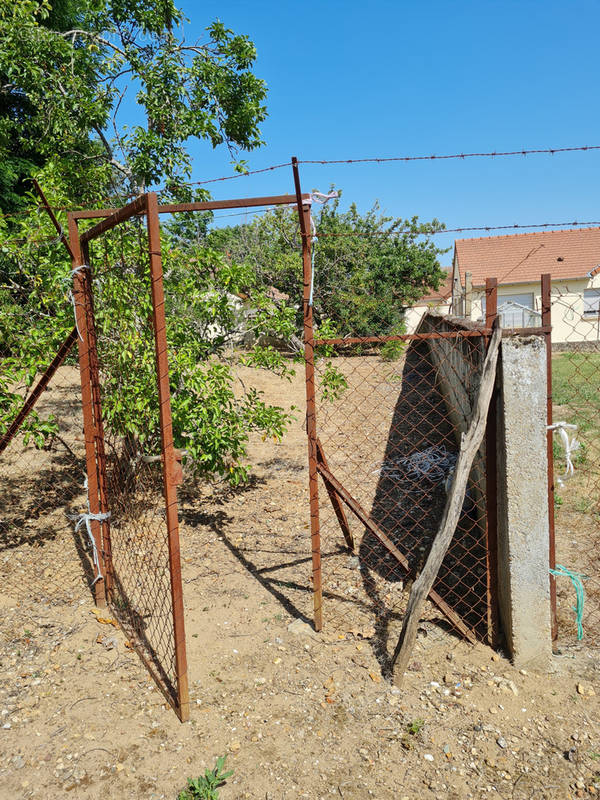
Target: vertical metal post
pixel 89 427
pixel 311 415
pixel 169 461
pixel 99 425
pixel 491 481
pixel 547 323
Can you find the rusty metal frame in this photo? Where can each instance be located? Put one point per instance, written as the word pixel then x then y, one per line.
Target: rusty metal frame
pixel 205 205
pixel 303 203
pixel 40 387
pixel 170 471
pixel 317 463
pixel 95 458
pixel 94 435
pixel 546 290
pixel 84 321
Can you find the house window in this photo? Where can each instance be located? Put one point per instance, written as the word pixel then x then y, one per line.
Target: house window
pixel 517 311
pixel 591 303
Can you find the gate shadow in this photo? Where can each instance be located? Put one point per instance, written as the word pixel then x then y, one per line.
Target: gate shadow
pixel 409 502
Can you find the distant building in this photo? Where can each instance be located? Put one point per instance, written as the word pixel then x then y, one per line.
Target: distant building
pixel 571 257
pixel 439 300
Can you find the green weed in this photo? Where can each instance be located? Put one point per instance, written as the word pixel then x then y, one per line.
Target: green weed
pixel 206 786
pixel 415 726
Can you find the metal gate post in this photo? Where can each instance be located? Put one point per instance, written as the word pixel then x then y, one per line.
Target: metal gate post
pixel 169 465
pixel 491 481
pixel 89 426
pixel 99 425
pixel 311 415
pixel 547 325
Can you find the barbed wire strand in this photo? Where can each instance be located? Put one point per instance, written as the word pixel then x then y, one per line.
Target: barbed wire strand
pixel 464 229
pixel 385 159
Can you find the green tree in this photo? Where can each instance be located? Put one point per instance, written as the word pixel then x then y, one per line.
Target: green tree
pixel 367 267
pixel 68 66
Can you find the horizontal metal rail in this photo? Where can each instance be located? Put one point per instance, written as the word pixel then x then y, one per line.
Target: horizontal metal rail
pixel 205 205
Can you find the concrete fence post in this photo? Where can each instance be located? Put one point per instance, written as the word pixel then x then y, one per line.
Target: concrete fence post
pixel 524 585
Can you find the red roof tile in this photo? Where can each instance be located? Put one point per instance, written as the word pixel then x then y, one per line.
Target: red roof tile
pixel 523 257
pixel 440 295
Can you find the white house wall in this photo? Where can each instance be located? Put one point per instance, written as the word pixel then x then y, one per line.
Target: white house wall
pixel 414 315
pixel 568 322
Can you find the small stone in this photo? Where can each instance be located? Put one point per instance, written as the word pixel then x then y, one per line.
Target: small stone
pixel 300 628
pixel 495 657
pixel 234 747
pixel 501 742
pixel 428 757
pixel 493 710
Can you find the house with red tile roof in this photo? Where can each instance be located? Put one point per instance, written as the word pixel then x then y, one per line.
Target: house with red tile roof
pixel 571 257
pixel 437 300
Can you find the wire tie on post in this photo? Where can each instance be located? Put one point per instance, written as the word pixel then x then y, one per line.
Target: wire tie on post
pixel 81 519
pixel 577 580
pixel 317 197
pixel 72 297
pixel 570 445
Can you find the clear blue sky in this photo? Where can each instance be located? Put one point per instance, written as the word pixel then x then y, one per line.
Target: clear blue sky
pixel 356 79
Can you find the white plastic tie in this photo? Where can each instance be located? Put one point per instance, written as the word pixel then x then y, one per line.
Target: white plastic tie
pixel 570 445
pixel 72 297
pixel 319 197
pixel 81 519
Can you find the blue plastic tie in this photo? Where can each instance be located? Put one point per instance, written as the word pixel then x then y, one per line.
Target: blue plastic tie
pixel 577 580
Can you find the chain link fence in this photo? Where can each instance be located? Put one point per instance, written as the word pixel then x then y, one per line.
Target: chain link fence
pixel 389 411
pixel 576 402
pixel 42 452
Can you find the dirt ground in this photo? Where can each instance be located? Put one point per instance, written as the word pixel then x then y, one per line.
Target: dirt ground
pixel 299 714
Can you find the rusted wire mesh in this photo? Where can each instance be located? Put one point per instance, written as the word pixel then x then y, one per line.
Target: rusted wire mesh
pixel 576 401
pixel 390 413
pixel 136 551
pixel 42 465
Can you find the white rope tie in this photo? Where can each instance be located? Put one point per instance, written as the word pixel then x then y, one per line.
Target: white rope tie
pixel 317 197
pixel 72 298
pixel 80 519
pixel 570 445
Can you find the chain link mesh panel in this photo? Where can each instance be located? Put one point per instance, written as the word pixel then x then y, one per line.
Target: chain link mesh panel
pixel 142 576
pixel 576 401
pixel 390 411
pixel 42 455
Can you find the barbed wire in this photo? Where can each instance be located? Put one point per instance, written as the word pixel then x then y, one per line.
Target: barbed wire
pixel 368 160
pixel 388 159
pixel 464 229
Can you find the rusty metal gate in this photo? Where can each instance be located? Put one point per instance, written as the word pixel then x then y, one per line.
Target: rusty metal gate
pixel 132 470
pixel 385 414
